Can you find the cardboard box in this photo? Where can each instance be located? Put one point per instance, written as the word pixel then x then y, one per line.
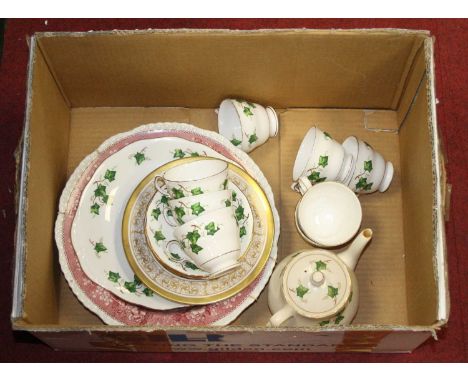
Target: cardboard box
pixel 377 84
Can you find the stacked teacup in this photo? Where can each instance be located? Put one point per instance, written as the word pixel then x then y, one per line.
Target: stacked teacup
pixel 200 203
pixel 354 163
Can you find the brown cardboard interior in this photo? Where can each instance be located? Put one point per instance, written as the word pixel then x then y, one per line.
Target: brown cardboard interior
pixel 115 82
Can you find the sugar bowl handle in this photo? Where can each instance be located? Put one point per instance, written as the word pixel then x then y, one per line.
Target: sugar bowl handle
pixel 160 184
pixel 282 315
pixel 301 185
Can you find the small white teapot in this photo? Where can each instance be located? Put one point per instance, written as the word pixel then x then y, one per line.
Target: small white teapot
pixel 316 287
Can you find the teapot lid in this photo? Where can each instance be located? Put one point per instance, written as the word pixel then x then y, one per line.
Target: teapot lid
pixel 317 284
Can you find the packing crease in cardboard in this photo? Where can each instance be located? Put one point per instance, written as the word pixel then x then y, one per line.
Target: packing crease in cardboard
pixel 377 84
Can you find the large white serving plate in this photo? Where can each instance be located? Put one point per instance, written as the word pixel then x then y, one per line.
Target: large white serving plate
pixel 132 156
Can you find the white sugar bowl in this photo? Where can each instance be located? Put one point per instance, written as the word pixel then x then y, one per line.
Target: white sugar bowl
pixel 316 288
pixel 329 214
pixel 247 125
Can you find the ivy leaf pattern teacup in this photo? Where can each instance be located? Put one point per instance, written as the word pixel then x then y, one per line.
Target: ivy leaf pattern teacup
pixel 190 207
pixel 211 240
pixel 193 178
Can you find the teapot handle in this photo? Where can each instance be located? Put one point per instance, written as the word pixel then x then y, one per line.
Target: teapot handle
pixel 282 315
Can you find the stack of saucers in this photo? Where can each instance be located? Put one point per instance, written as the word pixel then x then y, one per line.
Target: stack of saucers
pixel 167 216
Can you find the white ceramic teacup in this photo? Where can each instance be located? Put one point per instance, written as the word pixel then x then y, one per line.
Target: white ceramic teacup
pixel 371 172
pixel 193 178
pixel 212 241
pixel 246 124
pixel 191 207
pixel 321 158
pixel 329 214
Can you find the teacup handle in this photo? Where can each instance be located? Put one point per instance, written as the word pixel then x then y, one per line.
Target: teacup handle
pixel 157 179
pixel 173 242
pixel 282 315
pixel 168 218
pixel 301 185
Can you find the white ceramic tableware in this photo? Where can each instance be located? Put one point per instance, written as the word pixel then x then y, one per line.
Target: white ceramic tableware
pixel 316 288
pixel 193 178
pixel 190 207
pixel 371 172
pixel 247 125
pixel 321 158
pixel 87 274
pixel 329 214
pixel 212 241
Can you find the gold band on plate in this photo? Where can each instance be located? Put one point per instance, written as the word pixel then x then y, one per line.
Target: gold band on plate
pixel 270 230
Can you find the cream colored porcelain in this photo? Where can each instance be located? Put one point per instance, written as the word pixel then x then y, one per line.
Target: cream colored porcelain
pixel 193 178
pixel 212 241
pixel 316 287
pixel 371 172
pixel 190 207
pixel 329 214
pixel 247 125
pixel 320 158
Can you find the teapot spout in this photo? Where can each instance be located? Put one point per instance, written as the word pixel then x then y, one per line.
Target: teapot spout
pixel 351 255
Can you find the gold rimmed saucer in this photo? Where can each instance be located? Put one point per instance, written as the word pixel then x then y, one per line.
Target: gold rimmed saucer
pixel 154 272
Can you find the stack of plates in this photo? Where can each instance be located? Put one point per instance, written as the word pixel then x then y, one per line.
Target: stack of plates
pixel 112 235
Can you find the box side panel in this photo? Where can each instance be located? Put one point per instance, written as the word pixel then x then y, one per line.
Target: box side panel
pixel 194 69
pixel 246 341
pixel 418 200
pixel 48 133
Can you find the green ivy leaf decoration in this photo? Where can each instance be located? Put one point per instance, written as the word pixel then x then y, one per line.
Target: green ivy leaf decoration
pixel 100 191
pixel 165 200
pixel 175 255
pixel 197 191
pixel 301 290
pixel 195 248
pixel 180 213
pixel 234 196
pixel 314 177
pixel 148 292
pixel 332 291
pixel 197 208
pixel 327 136
pixel 242 231
pixel 191 265
pixel 194 154
pixel 225 183
pixel 339 318
pixel 130 286
pixel 193 236
pixel 368 165
pixel 155 213
pixel 211 228
pixel 239 212
pixel 110 175
pixel 100 247
pixel 169 213
pixel 136 280
pixel 323 323
pixel 320 265
pixel 95 209
pixel 362 184
pixel 227 202
pixel 178 193
pixel 235 142
pixel 158 235
pixel 253 138
pixel 113 276
pixel 247 111
pixel 178 153
pixel 105 198
pixel 139 157
pixel 250 104
pixel 323 161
